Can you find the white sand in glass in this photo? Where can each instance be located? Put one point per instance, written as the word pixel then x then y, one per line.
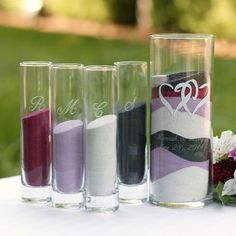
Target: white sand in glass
pixel 187 184
pixel 101 155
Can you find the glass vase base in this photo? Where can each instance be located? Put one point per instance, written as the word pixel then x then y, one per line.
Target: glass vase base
pixel 68 201
pixel 133 194
pixel 36 194
pixel 181 205
pixel 102 204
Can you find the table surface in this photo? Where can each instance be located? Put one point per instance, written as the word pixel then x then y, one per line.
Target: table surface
pixel 18 218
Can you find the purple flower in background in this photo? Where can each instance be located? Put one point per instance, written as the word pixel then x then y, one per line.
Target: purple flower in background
pixel 224 167
pixel 232 153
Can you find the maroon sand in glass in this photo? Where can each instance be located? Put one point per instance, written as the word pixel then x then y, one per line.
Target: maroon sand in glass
pixel 35 131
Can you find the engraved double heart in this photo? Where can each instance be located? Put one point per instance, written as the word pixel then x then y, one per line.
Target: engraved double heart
pixel 187 90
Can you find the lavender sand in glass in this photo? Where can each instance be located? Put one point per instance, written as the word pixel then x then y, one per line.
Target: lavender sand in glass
pixel 68 156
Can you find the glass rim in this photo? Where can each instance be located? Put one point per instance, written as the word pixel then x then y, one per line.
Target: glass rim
pixel 99 68
pixel 35 63
pixel 68 66
pixel 131 63
pixel 181 36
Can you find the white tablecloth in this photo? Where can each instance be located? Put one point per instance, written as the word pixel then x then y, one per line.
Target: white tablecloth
pixel 18 218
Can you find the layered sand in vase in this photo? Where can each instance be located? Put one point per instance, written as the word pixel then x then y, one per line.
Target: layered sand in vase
pixel 68 156
pixel 180 138
pixel 36 148
pixel 101 155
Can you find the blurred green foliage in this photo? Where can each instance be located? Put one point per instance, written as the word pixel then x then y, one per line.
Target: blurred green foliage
pixel 10 5
pixel 203 16
pixel 22 45
pixel 123 11
pixel 81 9
pixel 117 11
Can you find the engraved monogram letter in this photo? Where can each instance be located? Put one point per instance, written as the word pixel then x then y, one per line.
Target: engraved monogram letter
pixel 37 103
pixel 98 108
pixel 70 108
pixel 130 104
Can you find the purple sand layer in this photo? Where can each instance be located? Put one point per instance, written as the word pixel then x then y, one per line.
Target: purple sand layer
pixel 68 156
pixel 164 162
pixel 36 148
pixel 204 110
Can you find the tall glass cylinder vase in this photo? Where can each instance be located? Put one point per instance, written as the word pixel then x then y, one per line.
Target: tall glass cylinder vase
pixel 101 138
pixel 68 155
pixel 35 131
pixel 132 110
pixel 181 153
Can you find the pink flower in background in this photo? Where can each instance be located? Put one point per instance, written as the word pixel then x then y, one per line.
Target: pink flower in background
pixel 232 153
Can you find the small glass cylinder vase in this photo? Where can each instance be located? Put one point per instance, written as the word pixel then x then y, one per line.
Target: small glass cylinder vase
pixel 132 110
pixel 68 155
pixel 101 138
pixel 181 153
pixel 35 131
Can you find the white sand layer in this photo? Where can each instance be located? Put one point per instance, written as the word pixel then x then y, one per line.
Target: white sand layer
pixel 101 155
pixel 188 184
pixel 182 124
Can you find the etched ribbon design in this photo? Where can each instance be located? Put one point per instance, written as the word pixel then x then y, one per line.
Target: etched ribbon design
pixel 187 90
